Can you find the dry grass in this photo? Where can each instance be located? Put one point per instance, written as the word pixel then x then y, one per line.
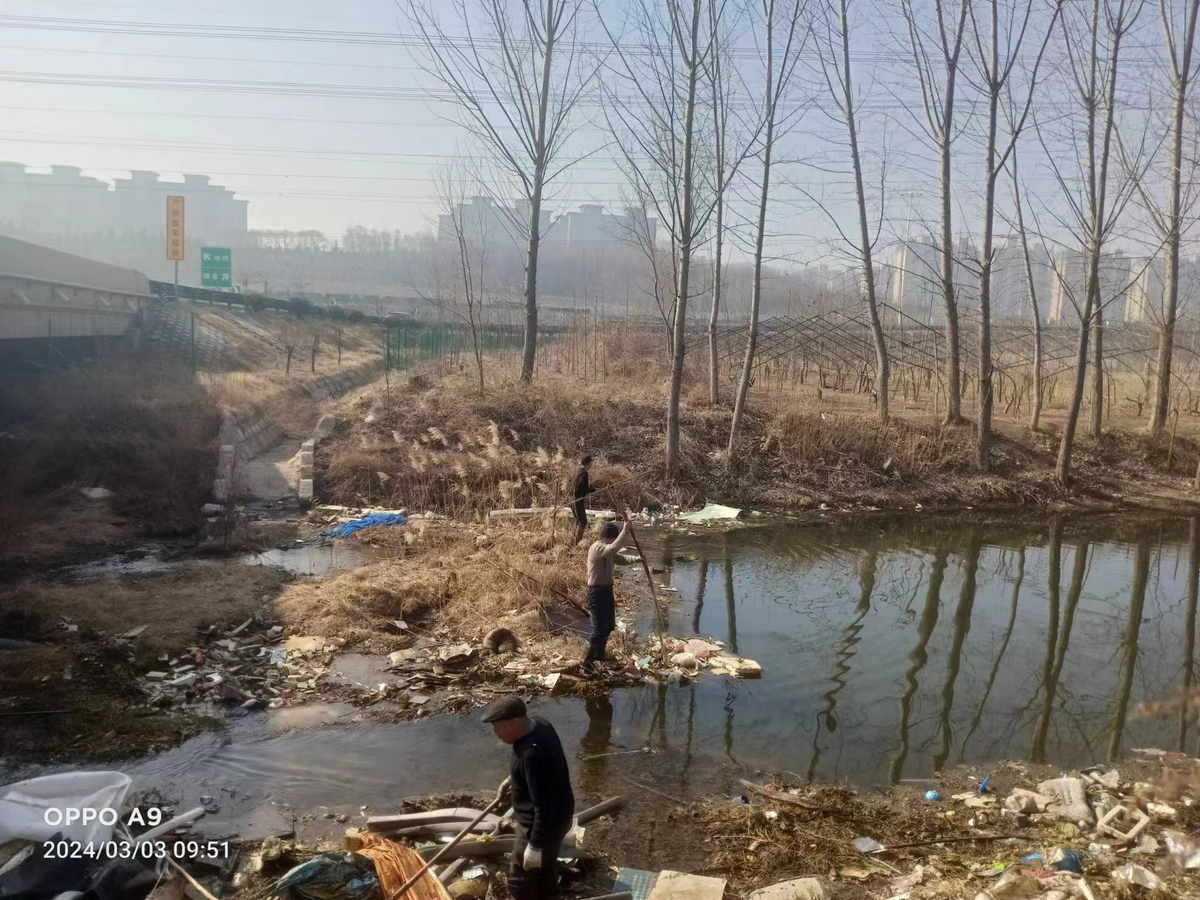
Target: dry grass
pixel 448 449
pixel 752 850
pixel 175 604
pixel 466 580
pixel 150 440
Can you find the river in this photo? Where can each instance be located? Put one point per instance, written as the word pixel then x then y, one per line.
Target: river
pixel 891 646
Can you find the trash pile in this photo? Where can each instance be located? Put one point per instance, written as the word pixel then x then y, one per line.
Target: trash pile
pixel 689 657
pixel 253 665
pixel 1091 834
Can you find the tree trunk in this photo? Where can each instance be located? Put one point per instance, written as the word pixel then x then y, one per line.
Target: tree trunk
pixel 953 370
pixel 868 283
pixel 714 381
pixel 1166 336
pixel 1036 413
pixel 1062 468
pixel 1097 186
pixel 1098 370
pixel 685 252
pixel 739 407
pixel 529 358
pixel 984 436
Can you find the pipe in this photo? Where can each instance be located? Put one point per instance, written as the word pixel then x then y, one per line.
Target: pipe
pixel 595 812
pixel 186 819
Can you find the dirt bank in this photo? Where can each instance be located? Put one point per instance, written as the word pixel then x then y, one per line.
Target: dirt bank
pixel 77 693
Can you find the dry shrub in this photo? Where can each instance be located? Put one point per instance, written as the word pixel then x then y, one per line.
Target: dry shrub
pixel 830 443
pixel 149 439
pixel 469 581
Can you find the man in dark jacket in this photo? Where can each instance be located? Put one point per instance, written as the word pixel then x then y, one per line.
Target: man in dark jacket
pixel 542 800
pixel 579 495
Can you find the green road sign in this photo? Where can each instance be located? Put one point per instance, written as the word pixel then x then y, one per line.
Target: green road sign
pixel 216 267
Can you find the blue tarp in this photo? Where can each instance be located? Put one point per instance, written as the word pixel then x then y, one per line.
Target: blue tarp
pixel 367 522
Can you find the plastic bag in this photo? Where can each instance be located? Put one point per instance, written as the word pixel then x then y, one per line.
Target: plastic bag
pixel 24 806
pixel 330 875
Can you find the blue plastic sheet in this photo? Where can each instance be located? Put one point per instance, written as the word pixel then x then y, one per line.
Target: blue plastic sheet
pixel 331 876
pixel 370 521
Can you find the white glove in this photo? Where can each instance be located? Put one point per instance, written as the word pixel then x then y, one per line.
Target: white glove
pixel 532 859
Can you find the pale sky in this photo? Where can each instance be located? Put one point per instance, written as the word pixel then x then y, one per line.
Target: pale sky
pixel 291 131
pixel 305 161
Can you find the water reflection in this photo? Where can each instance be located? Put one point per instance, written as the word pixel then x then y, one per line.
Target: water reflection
pixel 892 647
pixel 919 657
pixel 1189 627
pixel 1129 655
pixel 889 648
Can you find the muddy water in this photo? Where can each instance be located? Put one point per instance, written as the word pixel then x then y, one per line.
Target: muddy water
pixel 891 648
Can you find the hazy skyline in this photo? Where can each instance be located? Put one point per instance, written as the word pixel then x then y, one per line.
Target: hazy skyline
pixel 321 117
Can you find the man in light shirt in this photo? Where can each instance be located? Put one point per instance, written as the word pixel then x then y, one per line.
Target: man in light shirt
pixel 602 605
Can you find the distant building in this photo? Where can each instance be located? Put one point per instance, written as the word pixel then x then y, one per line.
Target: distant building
pixel 1068 293
pixel 139 204
pixel 1010 281
pixel 483 221
pixel 916 286
pixel 66 202
pixel 591 226
pixel 1147 294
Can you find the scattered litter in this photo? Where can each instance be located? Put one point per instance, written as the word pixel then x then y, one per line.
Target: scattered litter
pixel 1123 823
pixel 932 795
pixel 736 666
pixel 330 875
pixel 1139 875
pixel 867 845
pixel 1066 861
pixel 712 512
pixel 1070 799
pixel 369 521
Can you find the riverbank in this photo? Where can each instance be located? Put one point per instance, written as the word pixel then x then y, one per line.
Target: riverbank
pixel 1013 829
pixel 443 446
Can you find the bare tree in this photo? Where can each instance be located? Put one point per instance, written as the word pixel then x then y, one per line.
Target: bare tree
pixel 994 73
pixel 467 232
pixel 938 103
pixel 289 339
pixel 1171 217
pixel 653 117
pixel 1092 38
pixel 720 106
pixel 779 66
pixel 1035 413
pixel 833 51
pixel 641 231
pixel 517 86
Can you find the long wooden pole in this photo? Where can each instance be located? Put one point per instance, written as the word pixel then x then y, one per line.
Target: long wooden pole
pixel 458 837
pixel 658 617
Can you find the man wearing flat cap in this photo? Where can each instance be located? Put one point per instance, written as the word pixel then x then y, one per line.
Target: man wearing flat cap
pixel 542 801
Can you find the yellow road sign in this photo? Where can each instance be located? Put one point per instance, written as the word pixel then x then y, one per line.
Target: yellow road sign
pixel 176 229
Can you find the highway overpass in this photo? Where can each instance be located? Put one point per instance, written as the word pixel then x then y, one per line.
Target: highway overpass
pixel 48 294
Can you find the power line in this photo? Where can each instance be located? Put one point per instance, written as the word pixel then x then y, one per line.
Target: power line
pixel 397 39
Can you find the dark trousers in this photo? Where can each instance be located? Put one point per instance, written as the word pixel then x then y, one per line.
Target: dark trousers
pixel 603 609
pixel 536 884
pixel 577 507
